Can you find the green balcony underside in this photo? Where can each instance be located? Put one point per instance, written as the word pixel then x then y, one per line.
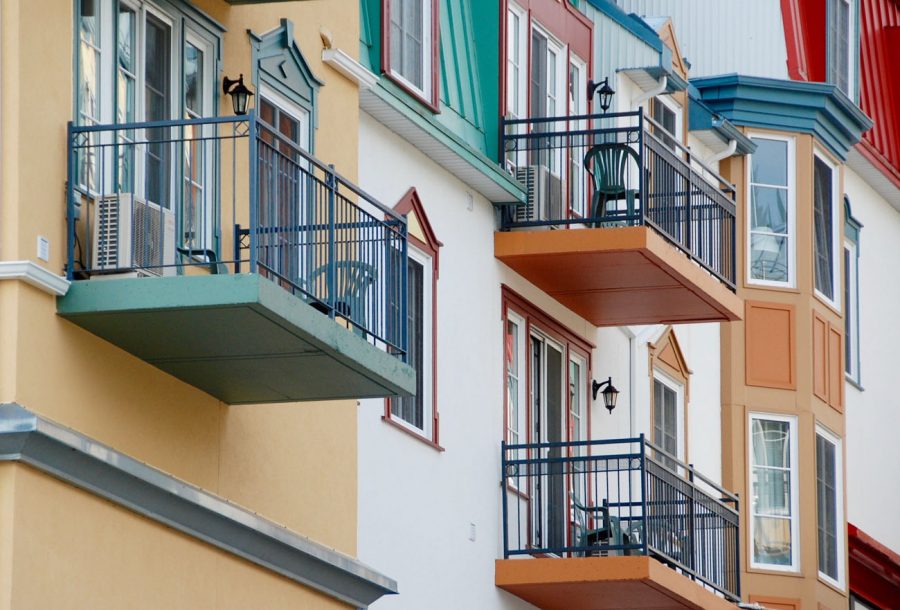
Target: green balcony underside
pixel 240 338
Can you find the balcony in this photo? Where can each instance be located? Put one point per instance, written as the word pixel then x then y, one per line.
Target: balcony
pixel 615 524
pixel 222 253
pixel 623 224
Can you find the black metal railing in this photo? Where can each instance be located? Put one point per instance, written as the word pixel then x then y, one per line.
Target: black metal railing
pixel 620 169
pixel 232 195
pixel 619 497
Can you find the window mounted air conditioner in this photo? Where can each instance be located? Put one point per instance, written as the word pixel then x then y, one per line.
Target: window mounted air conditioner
pixel 546 194
pixel 131 235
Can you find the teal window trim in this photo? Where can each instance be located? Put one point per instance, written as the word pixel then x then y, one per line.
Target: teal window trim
pixel 852 230
pixel 279 64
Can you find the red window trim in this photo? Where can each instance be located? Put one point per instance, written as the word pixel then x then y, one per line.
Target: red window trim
pixel 573 343
pixel 410 202
pixel 433 103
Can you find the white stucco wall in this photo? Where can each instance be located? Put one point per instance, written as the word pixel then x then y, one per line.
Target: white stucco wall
pixel 417 505
pixel 873 415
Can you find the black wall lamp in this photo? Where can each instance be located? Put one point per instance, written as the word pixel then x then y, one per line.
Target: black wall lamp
pixel 240 95
pixel 610 394
pixel 606 92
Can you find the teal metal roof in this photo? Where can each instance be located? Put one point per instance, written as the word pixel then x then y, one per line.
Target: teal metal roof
pixel 819 109
pixel 702 118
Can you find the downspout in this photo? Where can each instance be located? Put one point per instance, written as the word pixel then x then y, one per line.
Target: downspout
pixel 646 95
pixel 632 362
pixel 732 146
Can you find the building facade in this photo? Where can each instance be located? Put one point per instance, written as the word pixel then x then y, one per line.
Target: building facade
pixel 166 264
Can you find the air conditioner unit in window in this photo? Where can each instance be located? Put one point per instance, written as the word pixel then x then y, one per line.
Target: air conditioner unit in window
pixel 546 194
pixel 131 235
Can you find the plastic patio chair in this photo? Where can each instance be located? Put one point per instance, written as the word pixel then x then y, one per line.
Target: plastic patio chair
pixel 607 530
pixel 352 282
pixel 608 166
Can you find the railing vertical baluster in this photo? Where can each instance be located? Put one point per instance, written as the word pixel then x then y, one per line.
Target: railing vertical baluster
pixel 331 183
pixel 643 462
pixel 504 493
pixel 70 202
pixel 254 156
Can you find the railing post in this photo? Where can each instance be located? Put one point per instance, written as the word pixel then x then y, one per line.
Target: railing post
pixel 733 253
pixel 253 202
pixel 404 327
pixel 642 157
pixel 688 221
pixel 646 535
pixel 504 500
pixel 331 183
pixel 692 529
pixel 737 549
pixel 70 203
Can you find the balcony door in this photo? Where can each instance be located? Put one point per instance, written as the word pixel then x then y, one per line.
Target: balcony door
pixel 548 417
pixel 291 244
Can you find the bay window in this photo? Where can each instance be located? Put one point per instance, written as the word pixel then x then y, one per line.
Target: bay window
pixel 771 212
pixel 829 507
pixel 825 229
pixel 774 531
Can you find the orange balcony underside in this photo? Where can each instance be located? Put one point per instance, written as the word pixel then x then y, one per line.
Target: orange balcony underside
pixel 603 583
pixel 618 276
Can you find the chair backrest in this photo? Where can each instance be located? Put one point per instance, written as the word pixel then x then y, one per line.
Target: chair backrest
pixel 352 281
pixel 608 166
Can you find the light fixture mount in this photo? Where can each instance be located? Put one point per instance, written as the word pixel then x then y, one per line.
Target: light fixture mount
pixel 610 394
pixel 240 94
pixel 605 90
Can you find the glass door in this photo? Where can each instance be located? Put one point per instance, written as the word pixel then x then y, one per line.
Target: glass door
pixel 548 416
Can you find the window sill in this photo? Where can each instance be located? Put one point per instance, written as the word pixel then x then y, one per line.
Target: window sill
pixel 422 439
pixel 831 584
pixel 792 572
pixel 751 285
pixel 853 382
pixel 418 96
pixel 831 305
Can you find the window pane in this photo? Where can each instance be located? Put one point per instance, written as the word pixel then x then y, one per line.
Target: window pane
pixel 512 379
pixel 827 505
pixel 768 257
pixel 769 162
pixel 157 77
pixel 408 40
pixel 772 541
pixel 850 315
pixel 768 211
pixel 193 80
pixel 772 492
pixel 771 443
pixel 824 228
pixel 411 408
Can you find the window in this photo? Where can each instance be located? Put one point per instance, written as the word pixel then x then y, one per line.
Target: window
pixel 774 531
pixel 668 419
pixel 771 213
pixel 412 46
pixel 851 294
pixel 829 507
pixel 667 115
pixel 578 201
pixel 825 227
pixel 418 414
pixel 515 387
pixel 516 43
pixel 839 54
pixel 416 410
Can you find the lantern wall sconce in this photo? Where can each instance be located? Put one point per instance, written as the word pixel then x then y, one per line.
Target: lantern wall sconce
pixel 610 394
pixel 240 94
pixel 606 92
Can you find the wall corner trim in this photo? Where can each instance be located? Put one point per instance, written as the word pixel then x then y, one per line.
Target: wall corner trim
pixel 349 67
pixel 32 273
pixel 63 453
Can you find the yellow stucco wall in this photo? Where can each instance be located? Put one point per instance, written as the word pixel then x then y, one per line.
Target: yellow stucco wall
pixel 292 463
pixel 72 550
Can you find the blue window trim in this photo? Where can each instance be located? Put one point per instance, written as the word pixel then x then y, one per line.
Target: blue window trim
pixel 278 63
pixel 852 228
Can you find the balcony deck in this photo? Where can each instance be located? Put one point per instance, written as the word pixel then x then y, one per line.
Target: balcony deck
pixel 618 523
pixel 239 337
pixel 603 583
pixel 623 225
pixel 308 301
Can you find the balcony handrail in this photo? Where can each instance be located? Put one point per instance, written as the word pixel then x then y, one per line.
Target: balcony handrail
pixel 630 500
pixel 311 230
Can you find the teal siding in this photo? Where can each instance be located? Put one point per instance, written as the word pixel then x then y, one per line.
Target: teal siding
pixel 469 72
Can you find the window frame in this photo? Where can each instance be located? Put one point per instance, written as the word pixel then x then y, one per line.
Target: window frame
pixel 836 276
pixel 430 92
pixel 851 243
pixel 660 376
pixel 791 187
pixel 427 254
pixel 831 12
pixel 836 442
pixel 794 518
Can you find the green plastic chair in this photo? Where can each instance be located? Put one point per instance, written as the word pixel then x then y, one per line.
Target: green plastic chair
pixel 608 166
pixel 352 282
pixel 607 530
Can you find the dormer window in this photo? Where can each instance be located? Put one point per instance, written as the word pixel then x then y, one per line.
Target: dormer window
pixel 840 33
pixel 411 46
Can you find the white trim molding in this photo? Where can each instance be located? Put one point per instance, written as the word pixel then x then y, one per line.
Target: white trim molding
pixel 32 273
pixel 28 438
pixel 349 67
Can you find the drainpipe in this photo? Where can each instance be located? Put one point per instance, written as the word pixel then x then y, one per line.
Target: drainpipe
pixel 646 95
pixel 632 362
pixel 732 146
